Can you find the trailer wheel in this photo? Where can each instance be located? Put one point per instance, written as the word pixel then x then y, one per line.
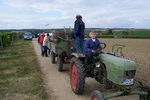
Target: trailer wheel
pixel 60 63
pixel 97 95
pixel 52 57
pixel 77 76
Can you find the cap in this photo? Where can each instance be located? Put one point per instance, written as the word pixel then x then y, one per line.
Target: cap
pixel 78 16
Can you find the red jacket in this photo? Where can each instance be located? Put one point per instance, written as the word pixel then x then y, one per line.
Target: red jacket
pixel 41 37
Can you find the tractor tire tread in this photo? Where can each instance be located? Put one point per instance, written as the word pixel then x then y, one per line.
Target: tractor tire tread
pixel 81 76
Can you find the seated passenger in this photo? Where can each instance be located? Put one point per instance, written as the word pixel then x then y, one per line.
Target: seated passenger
pixel 92 47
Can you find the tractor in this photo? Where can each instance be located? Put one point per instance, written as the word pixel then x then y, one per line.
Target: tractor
pixel 110 69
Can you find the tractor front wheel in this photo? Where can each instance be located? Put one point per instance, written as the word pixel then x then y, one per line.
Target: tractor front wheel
pixel 146 89
pixel 97 95
pixel 77 76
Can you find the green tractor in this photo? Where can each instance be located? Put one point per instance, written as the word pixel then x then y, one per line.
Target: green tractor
pixel 110 69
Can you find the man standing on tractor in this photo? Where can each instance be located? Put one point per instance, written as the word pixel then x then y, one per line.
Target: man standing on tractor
pixel 79 27
pixel 92 47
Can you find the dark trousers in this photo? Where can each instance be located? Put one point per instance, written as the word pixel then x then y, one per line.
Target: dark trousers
pixel 44 53
pixel 48 51
pixel 79 44
pixel 89 57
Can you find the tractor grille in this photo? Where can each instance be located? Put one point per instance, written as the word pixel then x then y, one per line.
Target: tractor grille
pixel 130 74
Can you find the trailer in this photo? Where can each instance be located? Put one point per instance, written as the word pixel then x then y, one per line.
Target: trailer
pixel 61 50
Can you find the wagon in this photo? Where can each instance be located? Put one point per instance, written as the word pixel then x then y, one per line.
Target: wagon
pixel 61 50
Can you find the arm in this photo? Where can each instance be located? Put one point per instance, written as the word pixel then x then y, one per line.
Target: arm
pixel 98 46
pixel 87 46
pixel 77 28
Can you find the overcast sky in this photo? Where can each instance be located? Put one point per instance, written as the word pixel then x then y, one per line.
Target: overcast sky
pixel 18 14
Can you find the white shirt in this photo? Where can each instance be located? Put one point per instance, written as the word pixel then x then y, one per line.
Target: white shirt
pixel 93 40
pixel 45 41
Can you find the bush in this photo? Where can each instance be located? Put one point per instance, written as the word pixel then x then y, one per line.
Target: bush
pixel 6 38
pixel 105 36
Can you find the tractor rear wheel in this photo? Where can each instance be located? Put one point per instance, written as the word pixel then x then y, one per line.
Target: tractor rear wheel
pixel 77 76
pixel 97 95
pixel 60 63
pixel 52 57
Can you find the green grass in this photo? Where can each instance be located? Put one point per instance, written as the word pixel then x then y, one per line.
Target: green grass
pixel 26 77
pixel 8 53
pixel 23 85
pixel 11 65
pixel 16 56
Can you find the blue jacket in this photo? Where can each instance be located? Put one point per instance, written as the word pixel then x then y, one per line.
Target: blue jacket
pixel 79 27
pixel 90 45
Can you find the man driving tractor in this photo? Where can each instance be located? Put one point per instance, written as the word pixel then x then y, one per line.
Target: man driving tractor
pixel 92 47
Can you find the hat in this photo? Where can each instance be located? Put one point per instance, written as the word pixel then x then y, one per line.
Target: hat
pixel 78 16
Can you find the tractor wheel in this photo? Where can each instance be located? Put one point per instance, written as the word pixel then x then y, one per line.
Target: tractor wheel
pixel 143 97
pixel 52 57
pixel 60 63
pixel 77 76
pixel 108 84
pixel 97 95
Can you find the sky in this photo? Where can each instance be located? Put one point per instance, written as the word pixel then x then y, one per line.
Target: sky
pixel 47 14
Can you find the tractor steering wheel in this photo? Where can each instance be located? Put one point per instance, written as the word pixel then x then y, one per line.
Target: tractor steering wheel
pixel 102 45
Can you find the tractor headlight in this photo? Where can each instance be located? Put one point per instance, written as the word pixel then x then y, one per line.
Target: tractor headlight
pixel 97 64
pixel 130 74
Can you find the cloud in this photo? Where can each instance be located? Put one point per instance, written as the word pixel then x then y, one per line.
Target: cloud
pixel 59 13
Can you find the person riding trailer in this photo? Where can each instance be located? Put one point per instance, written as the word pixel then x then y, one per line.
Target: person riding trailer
pixel 92 47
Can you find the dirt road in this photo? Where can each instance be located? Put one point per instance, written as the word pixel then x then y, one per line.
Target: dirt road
pixel 58 85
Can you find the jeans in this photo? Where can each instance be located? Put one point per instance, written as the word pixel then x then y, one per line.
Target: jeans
pixel 42 49
pixel 79 45
pixel 48 51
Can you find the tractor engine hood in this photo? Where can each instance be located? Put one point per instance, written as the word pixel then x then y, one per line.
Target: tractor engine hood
pixel 117 67
pixel 120 63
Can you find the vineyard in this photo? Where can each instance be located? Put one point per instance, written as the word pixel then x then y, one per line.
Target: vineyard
pixel 7 38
